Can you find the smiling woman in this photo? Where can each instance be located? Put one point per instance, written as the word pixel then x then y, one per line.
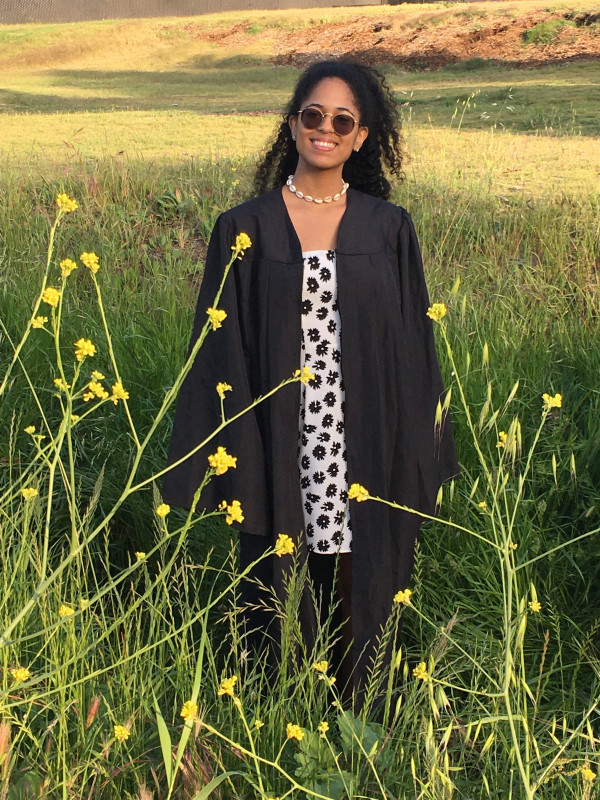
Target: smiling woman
pixel 333 286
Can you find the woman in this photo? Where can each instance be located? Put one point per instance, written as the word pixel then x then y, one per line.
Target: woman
pixel 333 281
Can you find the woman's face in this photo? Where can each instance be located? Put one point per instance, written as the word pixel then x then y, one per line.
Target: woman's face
pixel 322 147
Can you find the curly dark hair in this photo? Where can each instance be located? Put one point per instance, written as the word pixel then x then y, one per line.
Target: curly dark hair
pixel 378 111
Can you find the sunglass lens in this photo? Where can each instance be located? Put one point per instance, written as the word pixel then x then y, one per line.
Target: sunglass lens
pixel 343 124
pixel 311 118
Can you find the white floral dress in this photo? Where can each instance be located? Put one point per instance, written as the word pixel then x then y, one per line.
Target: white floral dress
pixel 322 448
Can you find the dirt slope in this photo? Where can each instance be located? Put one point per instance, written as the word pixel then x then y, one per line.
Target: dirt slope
pixel 431 40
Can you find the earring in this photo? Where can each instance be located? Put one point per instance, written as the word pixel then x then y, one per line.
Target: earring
pixel 356 149
pixel 293 137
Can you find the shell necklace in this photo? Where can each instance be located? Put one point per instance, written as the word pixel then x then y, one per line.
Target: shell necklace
pixel 309 199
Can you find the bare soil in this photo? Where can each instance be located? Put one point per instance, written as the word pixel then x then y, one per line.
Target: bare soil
pixel 427 42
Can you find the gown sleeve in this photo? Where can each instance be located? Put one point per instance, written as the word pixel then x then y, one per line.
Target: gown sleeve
pixel 436 453
pixel 222 358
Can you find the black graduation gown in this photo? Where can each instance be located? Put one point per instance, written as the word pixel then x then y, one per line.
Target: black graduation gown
pixel 391 377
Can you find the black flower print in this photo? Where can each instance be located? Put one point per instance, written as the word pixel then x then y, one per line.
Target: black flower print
pixel 319 452
pixel 323 488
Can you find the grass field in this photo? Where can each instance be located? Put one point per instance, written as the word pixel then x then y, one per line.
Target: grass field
pixel 154 134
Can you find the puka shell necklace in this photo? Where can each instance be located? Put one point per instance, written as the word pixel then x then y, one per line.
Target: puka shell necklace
pixel 289 183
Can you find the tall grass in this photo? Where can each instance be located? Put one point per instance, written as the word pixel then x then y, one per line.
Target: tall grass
pixel 503 702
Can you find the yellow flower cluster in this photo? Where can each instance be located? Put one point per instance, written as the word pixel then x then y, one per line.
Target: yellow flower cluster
pixel 234 511
pixel 242 243
pixel 304 374
pixel 227 686
pixel 420 672
pixel 91 261
pixel 358 493
pixel 66 267
pixel 84 348
pixel 51 296
pixel 588 774
pixel 320 666
pixel 221 461
pixel 66 204
pixel 482 504
pixel 284 546
pixel 437 311
pixel 30 429
pixel 65 611
pixel 61 385
pixel 502 439
pixel 162 510
pixel 121 733
pixel 216 317
pixel 95 390
pixel 403 597
pixel 189 710
pixel 20 674
pixel 39 322
pixel 294 732
pixel 535 606
pixel 552 402
pixel 139 555
pixel 222 388
pixel 119 393
pixel 29 492
pixel 323 727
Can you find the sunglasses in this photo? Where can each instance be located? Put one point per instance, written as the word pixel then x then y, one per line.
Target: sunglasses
pixel 312 118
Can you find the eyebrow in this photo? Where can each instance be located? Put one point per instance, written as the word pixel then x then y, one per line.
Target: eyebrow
pixel 338 108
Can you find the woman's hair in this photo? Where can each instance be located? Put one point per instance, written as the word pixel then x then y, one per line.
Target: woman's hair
pixel 378 111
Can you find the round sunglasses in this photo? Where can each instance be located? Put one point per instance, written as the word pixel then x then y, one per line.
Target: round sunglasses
pixel 312 118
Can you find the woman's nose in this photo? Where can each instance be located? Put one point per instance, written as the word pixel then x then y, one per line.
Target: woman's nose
pixel 326 126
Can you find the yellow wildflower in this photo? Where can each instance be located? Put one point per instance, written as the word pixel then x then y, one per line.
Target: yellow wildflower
pixel 65 611
pixel 97 376
pixel 588 774
pixel 284 546
pixel 502 439
pixel 29 492
pixel 305 375
pixel 51 296
pixel 221 461
pixel 294 732
pixel 39 322
pixel 234 511
pixel 20 674
pixel 320 666
pixel 95 390
pixel 60 384
pixel 66 267
pixel 258 724
pixel 30 429
pixel 189 710
pixel 403 597
pixel 84 347
pixel 535 606
pixel 162 510
pixel 216 317
pixel 482 505
pixel 358 493
pixel 121 733
pixel 84 603
pixel 437 311
pixel 222 388
pixel 227 686
pixel 552 402
pixel 91 261
pixel 119 393
pixel 420 672
pixel 139 555
pixel 242 243
pixel 66 204
pixel 323 727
